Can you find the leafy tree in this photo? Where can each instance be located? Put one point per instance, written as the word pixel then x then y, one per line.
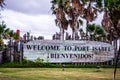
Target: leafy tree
pixel 95 32
pixel 100 33
pixel 90 29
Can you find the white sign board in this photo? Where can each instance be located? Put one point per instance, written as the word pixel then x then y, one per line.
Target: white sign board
pixel 56 51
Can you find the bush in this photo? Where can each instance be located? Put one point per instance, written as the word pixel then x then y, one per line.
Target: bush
pixel 40 64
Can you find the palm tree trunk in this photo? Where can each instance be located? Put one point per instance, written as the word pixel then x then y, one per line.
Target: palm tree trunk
pixel 61 33
pixel 116 61
pixel 73 35
pixel 10 46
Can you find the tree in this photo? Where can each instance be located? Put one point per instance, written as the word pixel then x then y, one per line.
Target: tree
pixel 111 23
pixel 71 12
pixel 95 32
pixel 60 20
pixel 74 11
pixel 6 33
pixel 90 12
pixel 64 8
pixel 90 29
pixel 1 44
pixel 1 28
pixel 100 33
pixel 2 3
pixel 3 34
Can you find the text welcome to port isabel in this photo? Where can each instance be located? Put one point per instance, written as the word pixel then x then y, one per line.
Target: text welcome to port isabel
pixel 51 50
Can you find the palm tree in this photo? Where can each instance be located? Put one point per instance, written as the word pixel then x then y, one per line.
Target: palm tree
pixel 1 44
pixel 2 3
pixel 73 13
pixel 63 9
pixel 110 23
pixel 13 36
pixel 61 20
pixel 3 32
pixel 6 33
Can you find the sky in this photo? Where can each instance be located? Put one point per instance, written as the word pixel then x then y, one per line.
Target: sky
pixel 32 16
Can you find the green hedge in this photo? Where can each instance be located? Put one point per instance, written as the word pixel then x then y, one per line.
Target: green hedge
pixel 30 64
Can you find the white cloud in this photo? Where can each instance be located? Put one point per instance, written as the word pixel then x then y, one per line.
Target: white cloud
pixel 33 16
pixel 29 6
pixel 37 24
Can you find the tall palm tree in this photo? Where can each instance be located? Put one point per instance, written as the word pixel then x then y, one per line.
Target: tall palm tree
pixel 63 9
pixel 6 33
pixel 61 20
pixel 3 32
pixel 13 36
pixel 71 12
pixel 1 28
pixel 111 24
pixel 74 11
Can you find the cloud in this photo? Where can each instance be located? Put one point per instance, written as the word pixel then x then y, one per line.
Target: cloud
pixel 33 16
pixel 37 24
pixel 29 6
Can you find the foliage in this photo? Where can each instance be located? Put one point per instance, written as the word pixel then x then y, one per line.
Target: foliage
pixel 30 64
pixel 95 32
pixel 6 33
pixel 1 44
pixel 111 18
pixel 70 12
pixel 38 60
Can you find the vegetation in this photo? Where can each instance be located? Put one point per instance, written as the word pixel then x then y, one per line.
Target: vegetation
pixel 95 32
pixel 39 64
pixel 56 74
pixel 6 33
pixel 71 12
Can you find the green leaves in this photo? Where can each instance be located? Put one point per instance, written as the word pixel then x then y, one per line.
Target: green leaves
pixel 91 27
pixel 111 3
pixel 6 33
pixel 95 32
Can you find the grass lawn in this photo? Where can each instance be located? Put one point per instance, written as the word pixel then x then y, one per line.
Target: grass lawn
pixel 57 74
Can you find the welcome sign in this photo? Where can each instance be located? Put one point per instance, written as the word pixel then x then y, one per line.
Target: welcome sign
pixel 57 51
